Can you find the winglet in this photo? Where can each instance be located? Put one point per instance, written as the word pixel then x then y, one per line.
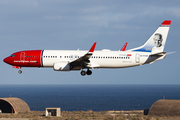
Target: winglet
pixel 92 48
pixel 124 47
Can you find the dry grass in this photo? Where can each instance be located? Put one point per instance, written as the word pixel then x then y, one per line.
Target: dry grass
pixel 88 115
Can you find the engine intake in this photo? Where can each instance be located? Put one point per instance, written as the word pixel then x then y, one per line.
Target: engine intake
pixel 61 66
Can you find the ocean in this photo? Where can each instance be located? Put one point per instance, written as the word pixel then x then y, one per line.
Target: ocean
pixel 90 97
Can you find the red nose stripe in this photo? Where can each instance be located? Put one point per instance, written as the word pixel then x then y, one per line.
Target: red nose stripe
pixel 28 58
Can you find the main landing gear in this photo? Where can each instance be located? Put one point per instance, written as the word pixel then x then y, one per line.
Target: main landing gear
pixel 83 73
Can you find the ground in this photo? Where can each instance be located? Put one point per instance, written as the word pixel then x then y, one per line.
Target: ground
pixel 86 115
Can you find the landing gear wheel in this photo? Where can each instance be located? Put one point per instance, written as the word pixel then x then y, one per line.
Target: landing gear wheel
pixel 89 72
pixel 83 73
pixel 20 71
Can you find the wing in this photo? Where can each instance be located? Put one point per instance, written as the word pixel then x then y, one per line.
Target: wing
pixel 83 61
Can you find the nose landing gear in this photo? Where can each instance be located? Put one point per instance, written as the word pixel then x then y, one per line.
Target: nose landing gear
pixel 20 71
pixel 83 73
pixel 18 67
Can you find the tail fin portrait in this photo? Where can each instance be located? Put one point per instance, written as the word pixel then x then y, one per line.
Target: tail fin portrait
pixel 156 43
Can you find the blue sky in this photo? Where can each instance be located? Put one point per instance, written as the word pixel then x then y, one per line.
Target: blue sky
pixel 73 24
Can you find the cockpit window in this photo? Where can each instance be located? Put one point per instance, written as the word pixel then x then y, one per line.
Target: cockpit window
pixel 12 55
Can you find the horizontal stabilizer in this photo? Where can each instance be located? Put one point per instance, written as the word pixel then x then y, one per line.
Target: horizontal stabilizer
pixel 160 54
pixel 155 57
pixel 170 53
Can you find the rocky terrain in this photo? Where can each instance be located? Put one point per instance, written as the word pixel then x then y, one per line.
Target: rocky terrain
pixel 86 115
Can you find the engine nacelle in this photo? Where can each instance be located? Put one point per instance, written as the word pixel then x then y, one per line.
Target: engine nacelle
pixel 62 66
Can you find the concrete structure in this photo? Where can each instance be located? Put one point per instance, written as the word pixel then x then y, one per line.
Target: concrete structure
pixel 13 105
pixel 165 107
pixel 53 112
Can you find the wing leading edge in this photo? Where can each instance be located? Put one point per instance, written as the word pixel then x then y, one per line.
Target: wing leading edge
pixel 83 61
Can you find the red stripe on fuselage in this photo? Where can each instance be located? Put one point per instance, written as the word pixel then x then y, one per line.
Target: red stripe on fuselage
pixel 28 58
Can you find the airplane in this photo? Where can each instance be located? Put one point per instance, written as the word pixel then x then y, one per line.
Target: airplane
pixel 69 60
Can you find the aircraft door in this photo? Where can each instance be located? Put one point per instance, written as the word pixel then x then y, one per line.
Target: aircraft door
pixel 71 57
pixel 22 56
pixel 137 58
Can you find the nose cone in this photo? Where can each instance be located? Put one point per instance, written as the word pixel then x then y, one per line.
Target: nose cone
pixel 6 60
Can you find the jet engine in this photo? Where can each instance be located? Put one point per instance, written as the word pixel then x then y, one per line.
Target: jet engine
pixel 61 66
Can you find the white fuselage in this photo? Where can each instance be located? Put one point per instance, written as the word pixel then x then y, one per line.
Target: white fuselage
pixel 99 59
